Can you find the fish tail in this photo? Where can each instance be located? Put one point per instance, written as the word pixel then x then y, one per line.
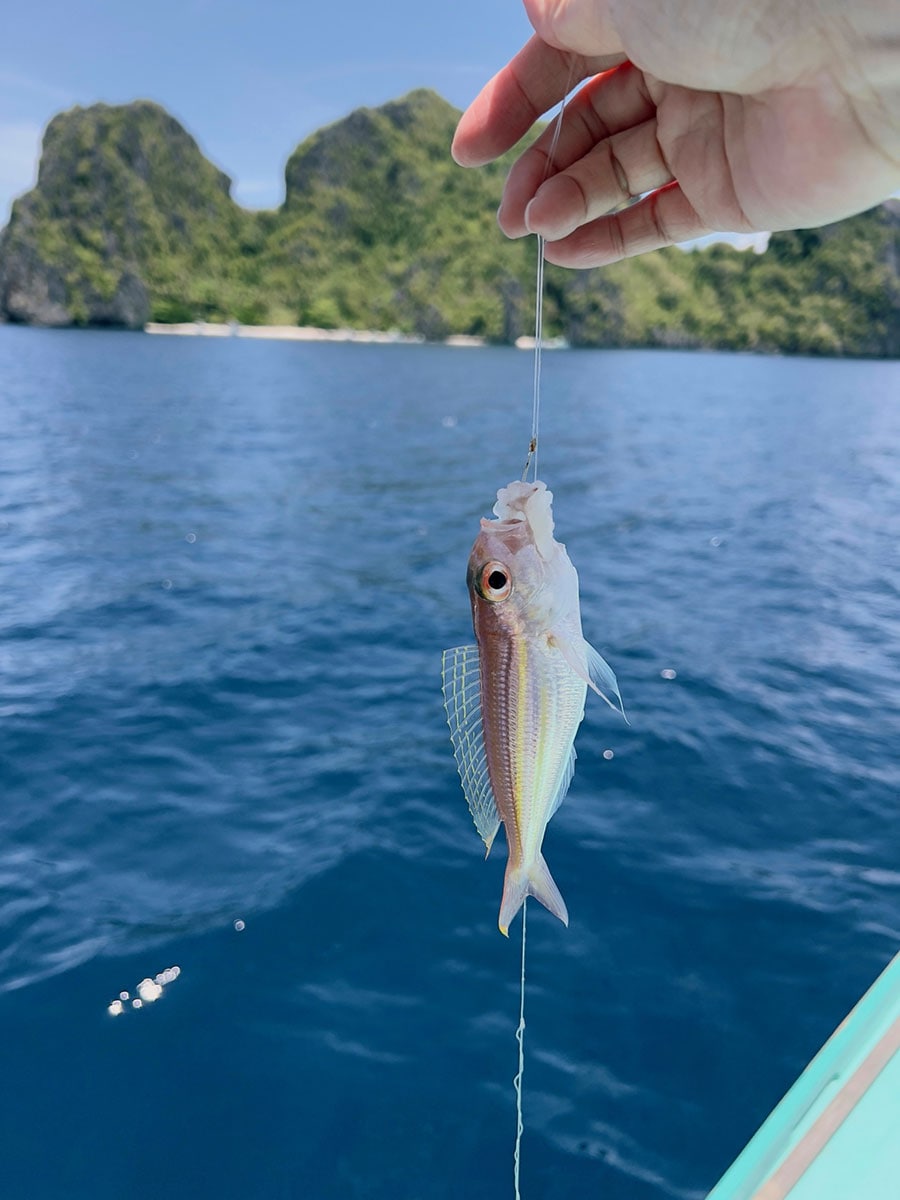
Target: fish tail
pixel 534 881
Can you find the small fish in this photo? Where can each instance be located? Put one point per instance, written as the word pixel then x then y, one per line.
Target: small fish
pixel 515 700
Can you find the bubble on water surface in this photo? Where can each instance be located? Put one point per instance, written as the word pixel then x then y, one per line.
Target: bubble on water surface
pixel 167 583
pixel 239 925
pixel 668 673
pixel 190 537
pixel 608 754
pixel 449 422
pixel 149 990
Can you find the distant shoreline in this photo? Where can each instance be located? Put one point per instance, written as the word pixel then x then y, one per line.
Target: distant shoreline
pixel 285 333
pixel 311 333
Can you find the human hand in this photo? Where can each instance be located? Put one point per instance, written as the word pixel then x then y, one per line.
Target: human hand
pixel 731 116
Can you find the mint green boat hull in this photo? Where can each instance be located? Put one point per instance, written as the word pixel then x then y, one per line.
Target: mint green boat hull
pixel 836 1134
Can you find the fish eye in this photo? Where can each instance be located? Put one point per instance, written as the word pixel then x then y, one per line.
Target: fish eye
pixel 494 581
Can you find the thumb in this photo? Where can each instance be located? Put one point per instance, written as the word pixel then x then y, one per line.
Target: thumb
pixel 583 26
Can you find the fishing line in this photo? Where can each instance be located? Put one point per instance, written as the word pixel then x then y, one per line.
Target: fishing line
pixel 517 1082
pixel 532 458
pixel 531 461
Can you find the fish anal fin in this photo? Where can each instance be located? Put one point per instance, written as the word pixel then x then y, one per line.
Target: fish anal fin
pixel 461 671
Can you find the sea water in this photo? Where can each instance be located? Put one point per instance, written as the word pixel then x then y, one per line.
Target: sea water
pixel 227 572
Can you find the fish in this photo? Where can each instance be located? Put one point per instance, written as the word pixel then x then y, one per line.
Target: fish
pixel 515 699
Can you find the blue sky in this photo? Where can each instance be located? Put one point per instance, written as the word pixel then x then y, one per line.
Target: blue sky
pixel 248 80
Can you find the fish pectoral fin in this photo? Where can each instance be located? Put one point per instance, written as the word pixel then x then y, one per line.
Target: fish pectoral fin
pixel 603 679
pixel 592 668
pixel 461 674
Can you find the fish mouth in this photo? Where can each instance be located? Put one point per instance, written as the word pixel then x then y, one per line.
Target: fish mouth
pixel 501 524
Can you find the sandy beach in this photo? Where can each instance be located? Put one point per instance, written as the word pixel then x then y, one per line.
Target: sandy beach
pixel 286 333
pixel 310 333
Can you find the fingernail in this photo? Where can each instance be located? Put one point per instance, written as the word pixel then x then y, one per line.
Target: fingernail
pixel 548 224
pixel 537 224
pixel 502 215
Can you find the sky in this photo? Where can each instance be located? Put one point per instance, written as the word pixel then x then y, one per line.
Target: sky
pixel 248 80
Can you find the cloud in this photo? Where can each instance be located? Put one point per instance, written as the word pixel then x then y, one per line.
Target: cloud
pixel 252 187
pixel 258 193
pixel 20 148
pixel 18 82
pixel 741 241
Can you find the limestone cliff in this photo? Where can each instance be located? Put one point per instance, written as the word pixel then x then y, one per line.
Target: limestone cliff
pixel 125 206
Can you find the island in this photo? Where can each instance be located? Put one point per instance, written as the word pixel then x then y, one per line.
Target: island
pixel 130 225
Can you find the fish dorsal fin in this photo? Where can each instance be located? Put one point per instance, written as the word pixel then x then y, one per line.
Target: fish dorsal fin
pixel 564 780
pixel 592 667
pixel 461 672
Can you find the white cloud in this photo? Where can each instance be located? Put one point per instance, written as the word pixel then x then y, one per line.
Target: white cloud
pixel 741 241
pixel 17 82
pixel 20 148
pixel 258 193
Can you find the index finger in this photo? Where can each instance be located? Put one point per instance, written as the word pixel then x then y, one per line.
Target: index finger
pixel 520 93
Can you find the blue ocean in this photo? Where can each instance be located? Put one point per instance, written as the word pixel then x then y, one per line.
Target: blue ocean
pixel 228 569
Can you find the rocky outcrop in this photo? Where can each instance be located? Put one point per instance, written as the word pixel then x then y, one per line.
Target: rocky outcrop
pixel 124 207
pixel 35 292
pixel 32 292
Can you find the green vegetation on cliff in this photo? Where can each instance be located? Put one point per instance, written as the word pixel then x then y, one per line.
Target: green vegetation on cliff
pixel 127 213
pixel 379 229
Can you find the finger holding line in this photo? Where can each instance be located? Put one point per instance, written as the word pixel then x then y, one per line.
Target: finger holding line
pixel 508 105
pixel 621 167
pixel 608 104
pixel 664 217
